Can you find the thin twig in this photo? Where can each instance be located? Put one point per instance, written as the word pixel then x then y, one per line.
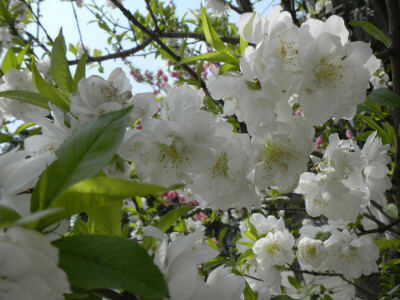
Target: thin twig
pixel 317 154
pixel 153 17
pixel 78 27
pixel 197 36
pixel 164 47
pixel 381 229
pixel 235 8
pixel 288 5
pixel 37 20
pixel 120 54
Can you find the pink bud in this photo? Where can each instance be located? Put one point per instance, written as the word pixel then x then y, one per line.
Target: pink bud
pixel 166 198
pixel 348 134
pixel 198 218
pixel 160 73
pixel 195 202
pixel 165 78
pixel 181 200
pixel 203 215
pixel 175 74
pixel 139 127
pixel 319 142
pixel 298 112
pixel 215 240
pixel 173 194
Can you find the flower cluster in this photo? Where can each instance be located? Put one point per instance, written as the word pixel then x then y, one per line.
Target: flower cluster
pixel 290 80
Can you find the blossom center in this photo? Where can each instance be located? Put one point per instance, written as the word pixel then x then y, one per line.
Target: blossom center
pixel 272 248
pixel 329 74
pixel 221 166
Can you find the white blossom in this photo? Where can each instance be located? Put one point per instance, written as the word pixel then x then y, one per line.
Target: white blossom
pixel 219 7
pixel 351 255
pixel 178 262
pixel 311 251
pixel 226 185
pixel 97 96
pixel 376 170
pixel 20 80
pixel 335 72
pixel 275 249
pixel 28 267
pixel 281 155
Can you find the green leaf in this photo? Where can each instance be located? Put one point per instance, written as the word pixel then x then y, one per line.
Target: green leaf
pixel 49 91
pixel 79 72
pixel 245 256
pixel 97 192
pixel 212 56
pixel 105 219
pixel 363 136
pixel 221 235
pixel 293 281
pixel 93 261
pixel 21 54
pixel 10 61
pixel 391 210
pixel 27 97
pixel 385 97
pixel 228 68
pixel 165 223
pixel 212 36
pixel 372 30
pixel 250 228
pixel 243 45
pixel 307 289
pixel 59 65
pixel 81 156
pixel 22 127
pixel 32 219
pixel 7 216
pixel 381 133
pixel 104 26
pixel 165 54
pixel 169 219
pixel 182 48
pixel 248 293
pixel 5 138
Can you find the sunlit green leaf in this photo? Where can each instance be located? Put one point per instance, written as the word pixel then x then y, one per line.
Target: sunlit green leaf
pixel 49 91
pixel 27 97
pixel 59 65
pixel 81 156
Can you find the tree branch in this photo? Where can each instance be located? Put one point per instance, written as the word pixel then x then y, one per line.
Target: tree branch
pixel 119 54
pixel 146 42
pixel 288 5
pixel 197 36
pixel 393 8
pixel 382 228
pixel 164 47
